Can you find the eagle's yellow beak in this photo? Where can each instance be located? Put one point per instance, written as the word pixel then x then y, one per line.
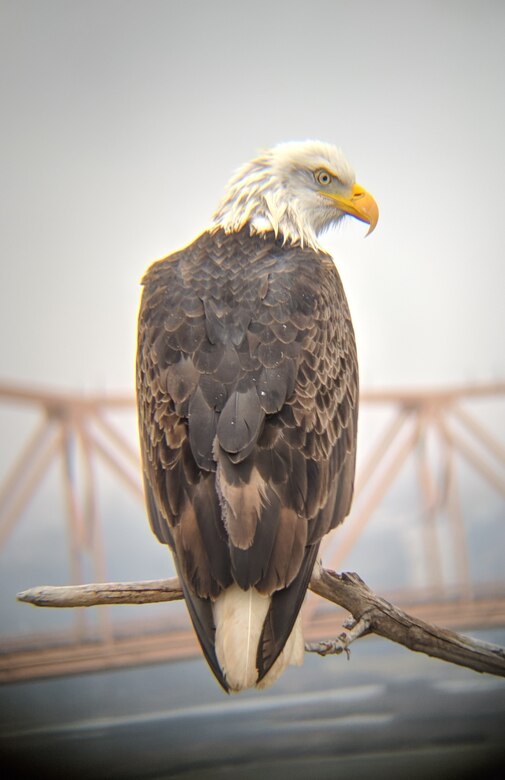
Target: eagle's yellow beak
pixel 359 204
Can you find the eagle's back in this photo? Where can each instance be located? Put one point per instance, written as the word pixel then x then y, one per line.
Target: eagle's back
pixel 247 389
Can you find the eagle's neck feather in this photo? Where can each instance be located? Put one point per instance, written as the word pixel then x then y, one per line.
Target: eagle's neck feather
pixel 256 197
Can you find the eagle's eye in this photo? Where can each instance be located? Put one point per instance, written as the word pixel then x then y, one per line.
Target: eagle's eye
pixel 323 177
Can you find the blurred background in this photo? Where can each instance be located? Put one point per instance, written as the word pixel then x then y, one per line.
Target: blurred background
pixel 121 124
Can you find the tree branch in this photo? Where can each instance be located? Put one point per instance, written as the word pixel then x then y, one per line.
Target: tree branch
pixel 343 641
pixel 371 614
pixel 147 592
pixel 350 592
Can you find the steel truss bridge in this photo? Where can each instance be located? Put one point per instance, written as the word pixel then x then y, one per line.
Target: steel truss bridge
pixel 438 437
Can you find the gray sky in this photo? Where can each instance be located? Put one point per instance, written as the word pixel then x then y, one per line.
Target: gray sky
pixel 122 121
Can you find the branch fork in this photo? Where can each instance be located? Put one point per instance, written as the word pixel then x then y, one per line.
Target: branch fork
pixel 342 643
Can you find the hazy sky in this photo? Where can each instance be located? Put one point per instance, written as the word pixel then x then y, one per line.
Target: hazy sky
pixel 122 121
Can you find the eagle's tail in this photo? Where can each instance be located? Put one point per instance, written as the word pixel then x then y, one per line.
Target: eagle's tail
pixel 239 617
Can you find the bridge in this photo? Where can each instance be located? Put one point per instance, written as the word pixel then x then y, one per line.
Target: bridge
pixel 439 450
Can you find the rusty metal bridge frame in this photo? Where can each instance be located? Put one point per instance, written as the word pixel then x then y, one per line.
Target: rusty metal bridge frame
pixel 419 423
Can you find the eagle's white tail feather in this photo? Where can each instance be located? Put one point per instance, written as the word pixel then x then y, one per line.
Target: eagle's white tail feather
pixel 239 617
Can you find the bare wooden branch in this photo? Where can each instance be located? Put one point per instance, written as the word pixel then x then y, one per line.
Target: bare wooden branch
pixel 350 592
pixel 147 592
pixel 371 614
pixel 343 641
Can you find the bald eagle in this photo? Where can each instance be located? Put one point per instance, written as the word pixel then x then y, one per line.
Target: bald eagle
pixel 247 385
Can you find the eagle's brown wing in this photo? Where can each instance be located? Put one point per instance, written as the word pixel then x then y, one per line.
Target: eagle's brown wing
pixel 247 391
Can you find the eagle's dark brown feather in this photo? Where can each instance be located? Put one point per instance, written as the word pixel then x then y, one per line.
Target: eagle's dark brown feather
pixel 247 389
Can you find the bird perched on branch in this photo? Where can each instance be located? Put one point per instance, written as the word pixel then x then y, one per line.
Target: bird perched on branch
pixel 247 384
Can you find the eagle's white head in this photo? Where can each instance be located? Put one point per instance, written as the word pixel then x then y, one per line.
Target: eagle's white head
pixel 298 190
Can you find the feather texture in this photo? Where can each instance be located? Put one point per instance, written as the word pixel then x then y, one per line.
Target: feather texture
pixel 247 392
pixel 239 616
